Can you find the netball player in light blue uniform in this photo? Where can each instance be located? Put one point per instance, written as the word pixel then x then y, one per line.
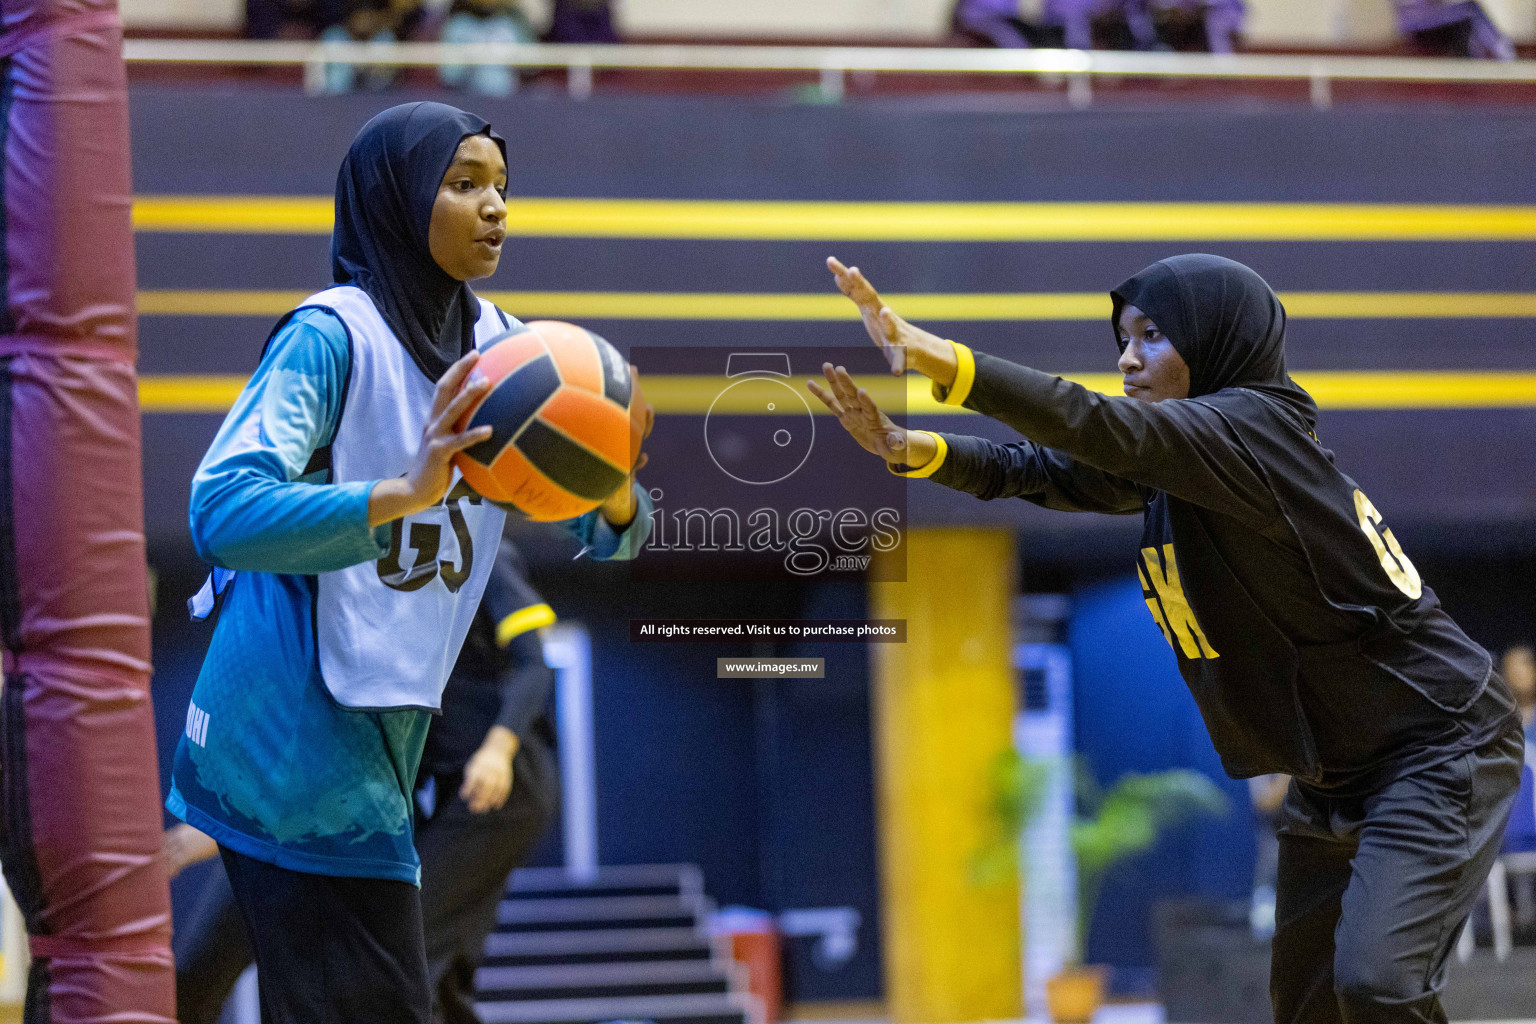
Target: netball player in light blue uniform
pixel 330 490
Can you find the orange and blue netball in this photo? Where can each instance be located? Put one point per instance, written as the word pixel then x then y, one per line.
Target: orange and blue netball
pixel 563 433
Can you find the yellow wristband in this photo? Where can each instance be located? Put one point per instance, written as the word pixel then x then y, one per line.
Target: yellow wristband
pixel 932 465
pixel 965 376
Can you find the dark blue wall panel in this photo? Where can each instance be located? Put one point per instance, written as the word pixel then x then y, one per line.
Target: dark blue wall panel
pixel 1455 470
pixel 252 141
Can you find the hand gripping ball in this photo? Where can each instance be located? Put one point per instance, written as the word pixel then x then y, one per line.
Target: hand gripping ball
pixel 564 433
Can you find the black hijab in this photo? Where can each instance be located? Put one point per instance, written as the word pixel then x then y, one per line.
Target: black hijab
pixel 1222 319
pixel 384 195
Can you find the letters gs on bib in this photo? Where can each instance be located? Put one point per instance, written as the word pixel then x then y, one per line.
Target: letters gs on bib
pixel 441 540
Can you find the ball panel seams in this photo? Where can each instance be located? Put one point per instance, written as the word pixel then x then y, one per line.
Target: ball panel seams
pixel 573 350
pixel 591 421
pixel 567 463
pixel 510 404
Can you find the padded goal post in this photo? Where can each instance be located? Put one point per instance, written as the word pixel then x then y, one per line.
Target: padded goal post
pixel 81 837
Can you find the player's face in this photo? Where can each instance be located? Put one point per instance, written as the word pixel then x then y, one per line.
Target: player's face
pixel 1152 367
pixel 469 216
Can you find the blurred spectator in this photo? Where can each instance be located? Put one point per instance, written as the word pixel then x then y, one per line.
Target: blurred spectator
pixel 1219 21
pixel 280 19
pixel 994 23
pixel 1519 670
pixel 485 21
pixel 1452 29
pixel 1143 24
pixel 1077 19
pixel 370 21
pixel 582 21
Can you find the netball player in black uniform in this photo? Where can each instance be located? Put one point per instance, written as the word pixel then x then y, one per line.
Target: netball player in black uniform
pixel 1305 634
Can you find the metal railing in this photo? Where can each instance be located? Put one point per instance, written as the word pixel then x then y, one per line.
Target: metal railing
pixel 834 64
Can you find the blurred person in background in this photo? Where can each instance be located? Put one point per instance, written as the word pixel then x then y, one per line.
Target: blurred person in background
pixel 1078 19
pixel 1519 668
pixel 486 792
pixel 370 21
pixel 485 21
pixel 1214 24
pixel 209 941
pixel 1266 793
pixel 582 21
pixel 1149 22
pixel 999 23
pixel 1452 28
pixel 286 19
pixel 1144 24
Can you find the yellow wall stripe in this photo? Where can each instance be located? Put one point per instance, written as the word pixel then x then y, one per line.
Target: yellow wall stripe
pixel 678 394
pixel 261 215
pixel 1002 306
pixel 928 222
pixel 217 302
pixel 188 393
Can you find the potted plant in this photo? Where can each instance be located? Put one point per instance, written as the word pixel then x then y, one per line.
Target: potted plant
pixel 1109 826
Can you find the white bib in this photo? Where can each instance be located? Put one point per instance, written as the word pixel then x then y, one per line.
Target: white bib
pixel 389 631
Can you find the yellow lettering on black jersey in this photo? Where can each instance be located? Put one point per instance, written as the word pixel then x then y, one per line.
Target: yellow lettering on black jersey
pixel 1168 605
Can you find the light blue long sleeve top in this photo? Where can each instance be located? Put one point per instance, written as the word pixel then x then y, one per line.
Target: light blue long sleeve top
pixel 269 764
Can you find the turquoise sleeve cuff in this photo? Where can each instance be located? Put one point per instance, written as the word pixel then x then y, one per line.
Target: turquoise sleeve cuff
pixel 606 543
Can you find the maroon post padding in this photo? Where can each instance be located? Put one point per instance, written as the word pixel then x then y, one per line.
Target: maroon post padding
pixel 81 844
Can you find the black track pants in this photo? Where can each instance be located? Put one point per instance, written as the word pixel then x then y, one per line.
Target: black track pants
pixel 332 950
pixel 1373 891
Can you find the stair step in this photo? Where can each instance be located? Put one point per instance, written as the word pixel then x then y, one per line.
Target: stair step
pixel 646 956
pixel 614 880
pixel 533 979
pixel 597 908
pixel 638 988
pixel 705 1008
pixel 606 940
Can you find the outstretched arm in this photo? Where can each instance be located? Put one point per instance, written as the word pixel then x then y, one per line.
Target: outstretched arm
pixel 1184 447
pixel 973 464
pixel 1040 475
